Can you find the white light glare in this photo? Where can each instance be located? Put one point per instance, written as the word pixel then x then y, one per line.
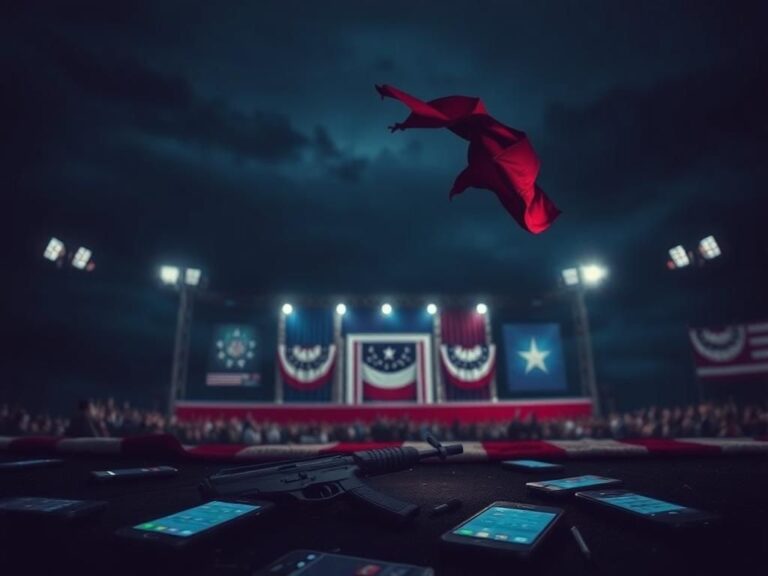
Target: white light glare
pixel 54 250
pixel 571 276
pixel 679 257
pixel 709 248
pixel 287 309
pixel 81 258
pixel 593 274
pixel 341 309
pixel 169 275
pixel 481 308
pixel 192 276
pixel 386 309
pixel 431 309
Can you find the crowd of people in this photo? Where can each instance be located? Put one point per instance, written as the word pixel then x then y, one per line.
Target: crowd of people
pixel 108 418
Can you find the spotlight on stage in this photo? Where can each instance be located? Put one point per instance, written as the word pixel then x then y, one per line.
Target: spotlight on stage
pixel 386 309
pixel 169 275
pixel 431 309
pixel 709 248
pixel 287 309
pixel 192 276
pixel 571 276
pixel 81 258
pixel 679 257
pixel 481 308
pixel 593 274
pixel 54 250
pixel 341 309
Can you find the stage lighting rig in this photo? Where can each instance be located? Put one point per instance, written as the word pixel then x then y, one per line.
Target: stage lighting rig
pixel 82 258
pixel 169 275
pixel 192 276
pixel 54 250
pixel 287 309
pixel 341 309
pixel 481 308
pixel 431 309
pixel 709 248
pixel 680 257
pixel 386 309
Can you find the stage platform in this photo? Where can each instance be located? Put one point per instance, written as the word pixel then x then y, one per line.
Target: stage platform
pixel 447 413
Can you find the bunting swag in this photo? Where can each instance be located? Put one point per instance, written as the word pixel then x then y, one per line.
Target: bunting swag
pixel 467 360
pixel 389 368
pixel 307 357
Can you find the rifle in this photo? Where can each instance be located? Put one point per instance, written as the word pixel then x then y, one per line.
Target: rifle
pixel 323 478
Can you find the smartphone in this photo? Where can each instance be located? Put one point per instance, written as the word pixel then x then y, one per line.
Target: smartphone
pixel 195 524
pixel 567 486
pixel 38 509
pixel 651 509
pixel 27 464
pixel 133 473
pixel 510 527
pixel 312 563
pixel 531 466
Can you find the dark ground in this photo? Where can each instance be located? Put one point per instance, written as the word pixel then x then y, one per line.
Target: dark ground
pixel 736 487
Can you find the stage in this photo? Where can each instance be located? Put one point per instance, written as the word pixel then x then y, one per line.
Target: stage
pixel 447 413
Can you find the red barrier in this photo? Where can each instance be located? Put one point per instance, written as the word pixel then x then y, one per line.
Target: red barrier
pixel 463 412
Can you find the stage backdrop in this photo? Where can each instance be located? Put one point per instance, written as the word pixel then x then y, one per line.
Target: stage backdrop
pixel 388 358
pixel 307 356
pixel 728 352
pixel 234 355
pixel 534 358
pixel 467 359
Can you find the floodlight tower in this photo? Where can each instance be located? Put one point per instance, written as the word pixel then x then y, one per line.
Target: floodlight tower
pixel 577 281
pixel 187 282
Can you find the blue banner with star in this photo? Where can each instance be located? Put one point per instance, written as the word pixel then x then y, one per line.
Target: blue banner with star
pixel 234 356
pixel 534 358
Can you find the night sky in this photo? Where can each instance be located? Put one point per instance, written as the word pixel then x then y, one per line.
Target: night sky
pixel 246 138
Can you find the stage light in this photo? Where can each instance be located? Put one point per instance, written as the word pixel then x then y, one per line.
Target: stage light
pixel 593 274
pixel 679 257
pixel 192 276
pixel 431 309
pixel 571 276
pixel 481 308
pixel 81 258
pixel 709 248
pixel 54 250
pixel 341 309
pixel 287 309
pixel 169 275
pixel 386 309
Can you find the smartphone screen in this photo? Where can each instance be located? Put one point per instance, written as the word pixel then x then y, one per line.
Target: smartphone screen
pixel 310 563
pixel 574 483
pixel 197 520
pixel 532 464
pixel 651 509
pixel 515 525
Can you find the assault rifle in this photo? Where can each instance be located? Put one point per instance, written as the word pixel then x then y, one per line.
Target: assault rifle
pixel 326 477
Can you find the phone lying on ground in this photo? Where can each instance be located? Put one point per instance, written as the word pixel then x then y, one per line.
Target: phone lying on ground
pixel 312 563
pixel 133 473
pixel 195 524
pixel 659 512
pixel 531 466
pixel 28 464
pixel 30 509
pixel 567 486
pixel 510 527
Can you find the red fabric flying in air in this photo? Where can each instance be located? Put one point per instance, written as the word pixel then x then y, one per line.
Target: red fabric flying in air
pixel 500 158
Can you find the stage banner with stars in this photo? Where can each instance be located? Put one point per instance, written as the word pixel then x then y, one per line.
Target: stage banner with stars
pixel 534 358
pixel 307 356
pixel 234 356
pixel 467 360
pixel 389 368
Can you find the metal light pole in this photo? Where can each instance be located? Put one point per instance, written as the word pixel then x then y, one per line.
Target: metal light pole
pixel 584 346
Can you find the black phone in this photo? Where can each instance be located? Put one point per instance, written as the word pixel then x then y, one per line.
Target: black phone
pixel 133 473
pixel 52 509
pixel 567 486
pixel 27 464
pixel 511 527
pixel 652 510
pixel 195 524
pixel 531 466
pixel 313 563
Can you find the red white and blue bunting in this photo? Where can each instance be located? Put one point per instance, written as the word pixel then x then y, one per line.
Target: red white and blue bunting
pixel 306 367
pixel 468 368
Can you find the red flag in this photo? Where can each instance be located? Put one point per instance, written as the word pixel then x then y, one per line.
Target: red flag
pixel 500 158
